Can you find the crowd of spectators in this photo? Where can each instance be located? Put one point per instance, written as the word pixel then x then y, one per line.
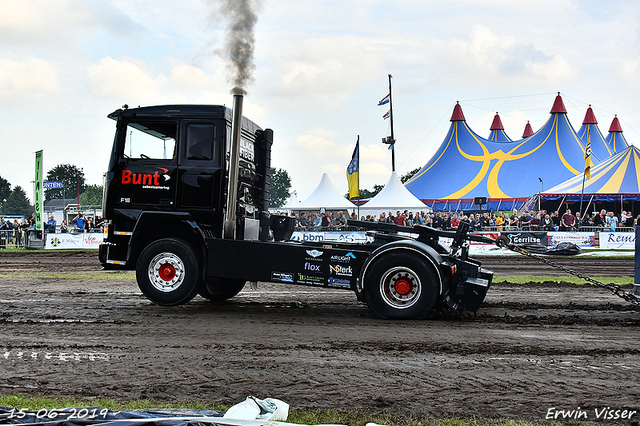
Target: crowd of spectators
pixel 14 232
pixel 485 221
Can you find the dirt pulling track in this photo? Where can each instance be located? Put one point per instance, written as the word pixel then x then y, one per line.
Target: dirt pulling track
pixel 530 349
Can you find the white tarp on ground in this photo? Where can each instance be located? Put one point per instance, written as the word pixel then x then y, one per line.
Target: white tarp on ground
pixel 393 197
pixel 325 196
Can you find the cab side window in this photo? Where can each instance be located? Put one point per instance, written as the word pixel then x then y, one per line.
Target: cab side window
pixel 200 141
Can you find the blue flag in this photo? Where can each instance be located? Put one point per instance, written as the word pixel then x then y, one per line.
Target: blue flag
pixel 353 172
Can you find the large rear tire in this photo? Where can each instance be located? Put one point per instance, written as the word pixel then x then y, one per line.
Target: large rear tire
pixel 168 272
pixel 221 289
pixel 401 285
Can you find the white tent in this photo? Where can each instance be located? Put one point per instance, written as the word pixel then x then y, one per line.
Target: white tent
pixel 292 204
pixel 393 197
pixel 325 196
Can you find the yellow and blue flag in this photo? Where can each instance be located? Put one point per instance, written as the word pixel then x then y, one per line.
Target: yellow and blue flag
pixel 587 157
pixel 353 172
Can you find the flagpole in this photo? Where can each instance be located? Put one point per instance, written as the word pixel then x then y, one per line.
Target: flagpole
pixel 358 159
pixel 587 154
pixel 393 140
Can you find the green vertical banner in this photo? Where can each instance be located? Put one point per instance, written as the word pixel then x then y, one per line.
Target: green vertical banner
pixel 38 191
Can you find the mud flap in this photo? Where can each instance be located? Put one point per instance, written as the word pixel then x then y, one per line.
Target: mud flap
pixel 470 293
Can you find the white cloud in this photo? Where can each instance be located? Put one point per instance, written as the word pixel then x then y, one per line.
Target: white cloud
pixel 27 79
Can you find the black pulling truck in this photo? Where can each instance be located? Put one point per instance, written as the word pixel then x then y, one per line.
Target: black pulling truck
pixel 186 200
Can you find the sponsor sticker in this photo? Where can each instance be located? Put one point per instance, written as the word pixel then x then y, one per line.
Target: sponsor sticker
pixel 310 279
pixel 314 253
pixel 313 267
pixel 339 282
pixel 339 270
pixel 284 277
pixel 336 258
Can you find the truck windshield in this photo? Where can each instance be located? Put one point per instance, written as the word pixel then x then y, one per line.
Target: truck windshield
pixel 151 140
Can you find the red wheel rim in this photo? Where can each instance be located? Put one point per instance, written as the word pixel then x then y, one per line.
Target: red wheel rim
pixel 167 272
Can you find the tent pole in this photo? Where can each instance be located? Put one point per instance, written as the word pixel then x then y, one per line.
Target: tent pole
pixel 587 208
pixel 561 201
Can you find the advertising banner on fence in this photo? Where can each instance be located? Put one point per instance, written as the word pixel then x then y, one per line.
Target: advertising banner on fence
pixel 581 239
pixel 526 237
pixel 90 240
pixel 617 240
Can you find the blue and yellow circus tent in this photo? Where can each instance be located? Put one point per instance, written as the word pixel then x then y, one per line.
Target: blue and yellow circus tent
pixel 615 140
pixel 615 179
pixel 497 131
pixel 467 166
pixel 599 147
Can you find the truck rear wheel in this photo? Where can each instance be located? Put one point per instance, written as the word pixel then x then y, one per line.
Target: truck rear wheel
pixel 401 286
pixel 220 289
pixel 168 272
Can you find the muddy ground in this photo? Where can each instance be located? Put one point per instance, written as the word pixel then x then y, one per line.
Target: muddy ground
pixel 530 348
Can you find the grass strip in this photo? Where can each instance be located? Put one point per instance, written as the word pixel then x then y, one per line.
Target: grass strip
pixel 512 279
pixel 72 275
pixel 298 416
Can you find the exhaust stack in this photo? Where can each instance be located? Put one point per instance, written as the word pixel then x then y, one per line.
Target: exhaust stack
pixel 232 188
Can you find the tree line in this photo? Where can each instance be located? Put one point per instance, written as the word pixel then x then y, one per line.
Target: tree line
pixel 14 201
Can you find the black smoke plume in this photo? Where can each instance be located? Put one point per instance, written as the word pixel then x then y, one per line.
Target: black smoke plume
pixel 242 18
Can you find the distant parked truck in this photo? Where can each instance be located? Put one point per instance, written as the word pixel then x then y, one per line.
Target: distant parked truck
pixel 186 206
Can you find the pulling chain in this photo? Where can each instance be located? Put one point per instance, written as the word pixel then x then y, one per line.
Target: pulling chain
pixel 613 288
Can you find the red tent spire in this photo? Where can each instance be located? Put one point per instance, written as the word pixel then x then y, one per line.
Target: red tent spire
pixel 590 117
pixel 497 123
pixel 558 106
pixel 457 113
pixel 528 131
pixel 615 125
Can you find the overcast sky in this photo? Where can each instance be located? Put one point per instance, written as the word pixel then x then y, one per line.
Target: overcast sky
pixel 320 69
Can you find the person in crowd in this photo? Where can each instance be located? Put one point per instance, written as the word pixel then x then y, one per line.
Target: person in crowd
pixel 586 221
pixel 78 222
pixel 547 223
pixel 485 221
pixel 628 223
pixel 89 225
pixel 50 225
pixel 64 228
pixel 17 233
pixel 568 221
pixel 612 222
pixel 500 221
pixel 382 217
pixel 317 221
pixel 454 222
pixel 400 219
pixel 536 223
pixel 474 223
pixel 600 220
pixel 576 226
pixel 513 221
pixel 324 220
pixel 524 220
pixel 341 221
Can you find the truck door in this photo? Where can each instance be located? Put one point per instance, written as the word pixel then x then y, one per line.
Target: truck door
pixel 199 169
pixel 145 174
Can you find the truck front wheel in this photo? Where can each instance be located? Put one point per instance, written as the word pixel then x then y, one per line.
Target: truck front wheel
pixel 168 272
pixel 401 286
pixel 221 289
